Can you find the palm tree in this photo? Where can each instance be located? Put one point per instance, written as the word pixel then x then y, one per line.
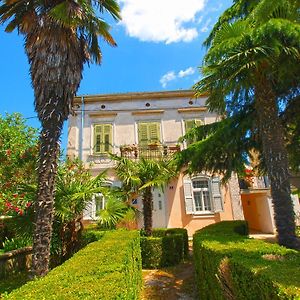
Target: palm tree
pixel 60 36
pixel 140 177
pixel 253 59
pixel 75 187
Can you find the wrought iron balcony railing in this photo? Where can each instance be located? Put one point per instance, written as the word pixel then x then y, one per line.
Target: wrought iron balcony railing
pixel 151 151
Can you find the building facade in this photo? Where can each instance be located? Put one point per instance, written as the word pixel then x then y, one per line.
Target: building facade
pixel 149 124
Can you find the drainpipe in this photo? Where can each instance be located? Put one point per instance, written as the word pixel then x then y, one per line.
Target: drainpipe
pixel 81 129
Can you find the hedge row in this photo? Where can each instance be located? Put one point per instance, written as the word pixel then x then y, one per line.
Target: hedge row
pixel 232 266
pixel 167 247
pixel 106 269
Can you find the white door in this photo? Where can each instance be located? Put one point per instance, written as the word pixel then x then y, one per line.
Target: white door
pixel 159 209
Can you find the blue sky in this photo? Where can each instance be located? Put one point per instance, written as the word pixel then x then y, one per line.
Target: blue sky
pixel 159 48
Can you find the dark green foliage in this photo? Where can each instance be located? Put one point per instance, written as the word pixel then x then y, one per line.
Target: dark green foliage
pixel 89 236
pixel 106 269
pixel 152 252
pixel 185 236
pixel 16 243
pixel 167 247
pixel 5 230
pixel 230 265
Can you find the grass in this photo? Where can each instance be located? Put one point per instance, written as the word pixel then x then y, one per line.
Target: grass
pixel 13 282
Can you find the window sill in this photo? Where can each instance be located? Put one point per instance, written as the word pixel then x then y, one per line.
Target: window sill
pixel 203 215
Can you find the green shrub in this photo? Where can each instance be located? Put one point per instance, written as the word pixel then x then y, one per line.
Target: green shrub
pixel 152 252
pixel 16 243
pixel 167 247
pixel 105 269
pixel 230 265
pixel 5 230
pixel 185 236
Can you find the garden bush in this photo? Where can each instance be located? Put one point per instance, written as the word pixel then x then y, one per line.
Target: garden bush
pixel 106 269
pixel 167 247
pixel 229 265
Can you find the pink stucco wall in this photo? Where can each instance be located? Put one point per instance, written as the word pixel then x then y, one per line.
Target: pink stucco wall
pixel 177 216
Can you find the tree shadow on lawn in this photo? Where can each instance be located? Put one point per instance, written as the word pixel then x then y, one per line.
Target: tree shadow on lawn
pixel 11 283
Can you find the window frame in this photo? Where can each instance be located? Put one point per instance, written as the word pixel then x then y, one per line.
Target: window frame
pixel 111 138
pixel 148 124
pixel 202 190
pixel 216 201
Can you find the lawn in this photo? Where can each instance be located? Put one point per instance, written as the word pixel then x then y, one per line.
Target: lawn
pixel 11 283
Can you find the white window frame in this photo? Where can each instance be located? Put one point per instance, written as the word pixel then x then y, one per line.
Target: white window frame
pixel 215 195
pixel 202 190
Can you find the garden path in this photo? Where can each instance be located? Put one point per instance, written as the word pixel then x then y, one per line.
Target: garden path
pixel 172 283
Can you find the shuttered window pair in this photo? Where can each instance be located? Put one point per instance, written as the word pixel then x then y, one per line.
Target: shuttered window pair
pixel 190 124
pixel 148 133
pixel 102 138
pixel 202 195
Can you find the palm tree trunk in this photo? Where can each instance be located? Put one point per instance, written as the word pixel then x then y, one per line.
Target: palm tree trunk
pixel 56 58
pixel 147 210
pixel 276 161
pixel 49 151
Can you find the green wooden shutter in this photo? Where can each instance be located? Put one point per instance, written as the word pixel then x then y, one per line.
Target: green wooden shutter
pixel 188 195
pixel 143 134
pixel 98 133
pixel 189 124
pixel 154 132
pixel 216 195
pixel 107 138
pixel 102 138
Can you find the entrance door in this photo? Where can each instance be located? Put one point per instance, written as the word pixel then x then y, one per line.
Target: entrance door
pixel 159 209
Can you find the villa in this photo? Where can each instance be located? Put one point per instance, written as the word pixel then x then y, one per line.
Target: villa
pixel 149 124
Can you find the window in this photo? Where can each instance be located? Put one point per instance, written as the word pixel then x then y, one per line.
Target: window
pixel 148 133
pixel 99 202
pixel 202 195
pixel 188 125
pixel 102 138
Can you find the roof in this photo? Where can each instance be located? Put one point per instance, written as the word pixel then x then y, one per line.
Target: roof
pixel 137 96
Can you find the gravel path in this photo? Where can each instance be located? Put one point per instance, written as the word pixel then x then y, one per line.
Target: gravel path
pixel 171 283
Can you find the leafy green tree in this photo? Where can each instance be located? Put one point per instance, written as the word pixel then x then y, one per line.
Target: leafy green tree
pixel 253 64
pixel 139 177
pixel 18 160
pixel 59 38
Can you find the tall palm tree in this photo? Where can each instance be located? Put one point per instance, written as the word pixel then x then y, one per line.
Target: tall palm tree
pixel 253 59
pixel 60 36
pixel 140 177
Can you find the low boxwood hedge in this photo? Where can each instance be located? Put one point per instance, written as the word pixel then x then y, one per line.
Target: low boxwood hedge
pixel 167 247
pixel 229 265
pixel 106 269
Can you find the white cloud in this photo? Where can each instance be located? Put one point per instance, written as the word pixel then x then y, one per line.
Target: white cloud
pixel 206 26
pixel 171 75
pixel 187 72
pixel 167 78
pixel 166 21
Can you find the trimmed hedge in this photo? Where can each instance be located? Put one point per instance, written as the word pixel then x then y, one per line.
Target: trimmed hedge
pixel 106 269
pixel 230 265
pixel 160 232
pixel 167 247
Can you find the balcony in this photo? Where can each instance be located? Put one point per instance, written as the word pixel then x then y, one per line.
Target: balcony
pixel 254 183
pixel 151 151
